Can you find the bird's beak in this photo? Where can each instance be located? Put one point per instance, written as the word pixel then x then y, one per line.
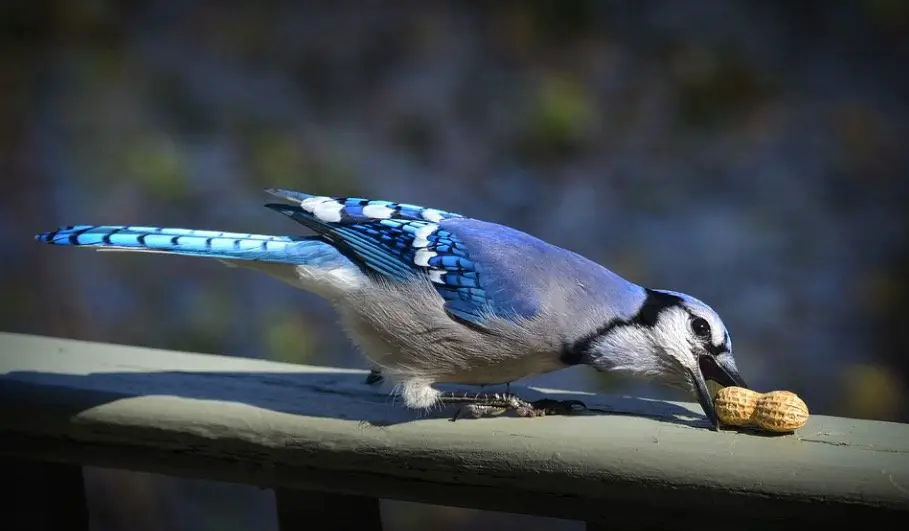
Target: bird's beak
pixel 720 369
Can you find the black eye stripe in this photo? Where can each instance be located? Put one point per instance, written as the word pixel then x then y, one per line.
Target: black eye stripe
pixel 716 350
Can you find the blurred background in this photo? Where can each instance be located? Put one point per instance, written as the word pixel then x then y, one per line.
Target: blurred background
pixel 751 153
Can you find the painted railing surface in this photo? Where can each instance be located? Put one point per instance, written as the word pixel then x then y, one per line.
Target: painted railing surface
pixel 331 447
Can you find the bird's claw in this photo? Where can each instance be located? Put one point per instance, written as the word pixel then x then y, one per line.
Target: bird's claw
pixel 499 404
pixel 548 406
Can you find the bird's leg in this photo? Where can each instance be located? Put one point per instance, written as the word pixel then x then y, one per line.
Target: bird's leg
pixel 374 377
pixel 490 404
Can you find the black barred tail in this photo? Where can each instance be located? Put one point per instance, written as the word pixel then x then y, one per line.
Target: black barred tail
pixel 192 242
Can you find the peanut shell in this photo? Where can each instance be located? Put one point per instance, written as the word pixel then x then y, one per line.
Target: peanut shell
pixel 735 405
pixel 780 411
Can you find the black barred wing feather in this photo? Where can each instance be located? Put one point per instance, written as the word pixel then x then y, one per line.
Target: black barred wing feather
pixel 397 240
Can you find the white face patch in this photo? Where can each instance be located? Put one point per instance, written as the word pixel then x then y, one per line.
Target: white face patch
pixel 717 331
pixel 673 334
pixel 699 308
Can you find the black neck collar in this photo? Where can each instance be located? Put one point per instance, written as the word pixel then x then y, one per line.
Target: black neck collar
pixel 655 302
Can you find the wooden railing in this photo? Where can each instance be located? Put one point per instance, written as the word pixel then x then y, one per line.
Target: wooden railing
pixel 331 446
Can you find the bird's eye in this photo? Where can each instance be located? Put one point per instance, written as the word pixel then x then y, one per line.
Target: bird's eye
pixel 700 327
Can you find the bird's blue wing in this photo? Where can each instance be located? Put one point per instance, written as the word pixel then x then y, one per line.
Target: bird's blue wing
pixel 350 210
pixel 398 240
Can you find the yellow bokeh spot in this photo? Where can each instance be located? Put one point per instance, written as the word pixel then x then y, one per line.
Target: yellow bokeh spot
pixel 289 340
pixel 870 392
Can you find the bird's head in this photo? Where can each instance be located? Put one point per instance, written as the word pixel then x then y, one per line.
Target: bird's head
pixel 673 338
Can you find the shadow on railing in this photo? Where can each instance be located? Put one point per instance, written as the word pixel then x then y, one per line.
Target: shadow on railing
pixel 341 395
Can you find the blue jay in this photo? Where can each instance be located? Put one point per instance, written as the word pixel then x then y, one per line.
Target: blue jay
pixel 431 297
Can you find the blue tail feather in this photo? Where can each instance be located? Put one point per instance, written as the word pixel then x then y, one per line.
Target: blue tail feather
pixel 360 233
pixel 192 242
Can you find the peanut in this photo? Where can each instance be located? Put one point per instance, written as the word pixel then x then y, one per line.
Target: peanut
pixel 735 405
pixel 776 411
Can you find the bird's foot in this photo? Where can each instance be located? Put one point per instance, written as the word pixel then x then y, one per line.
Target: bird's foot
pixel 549 406
pixel 478 405
pixel 374 377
